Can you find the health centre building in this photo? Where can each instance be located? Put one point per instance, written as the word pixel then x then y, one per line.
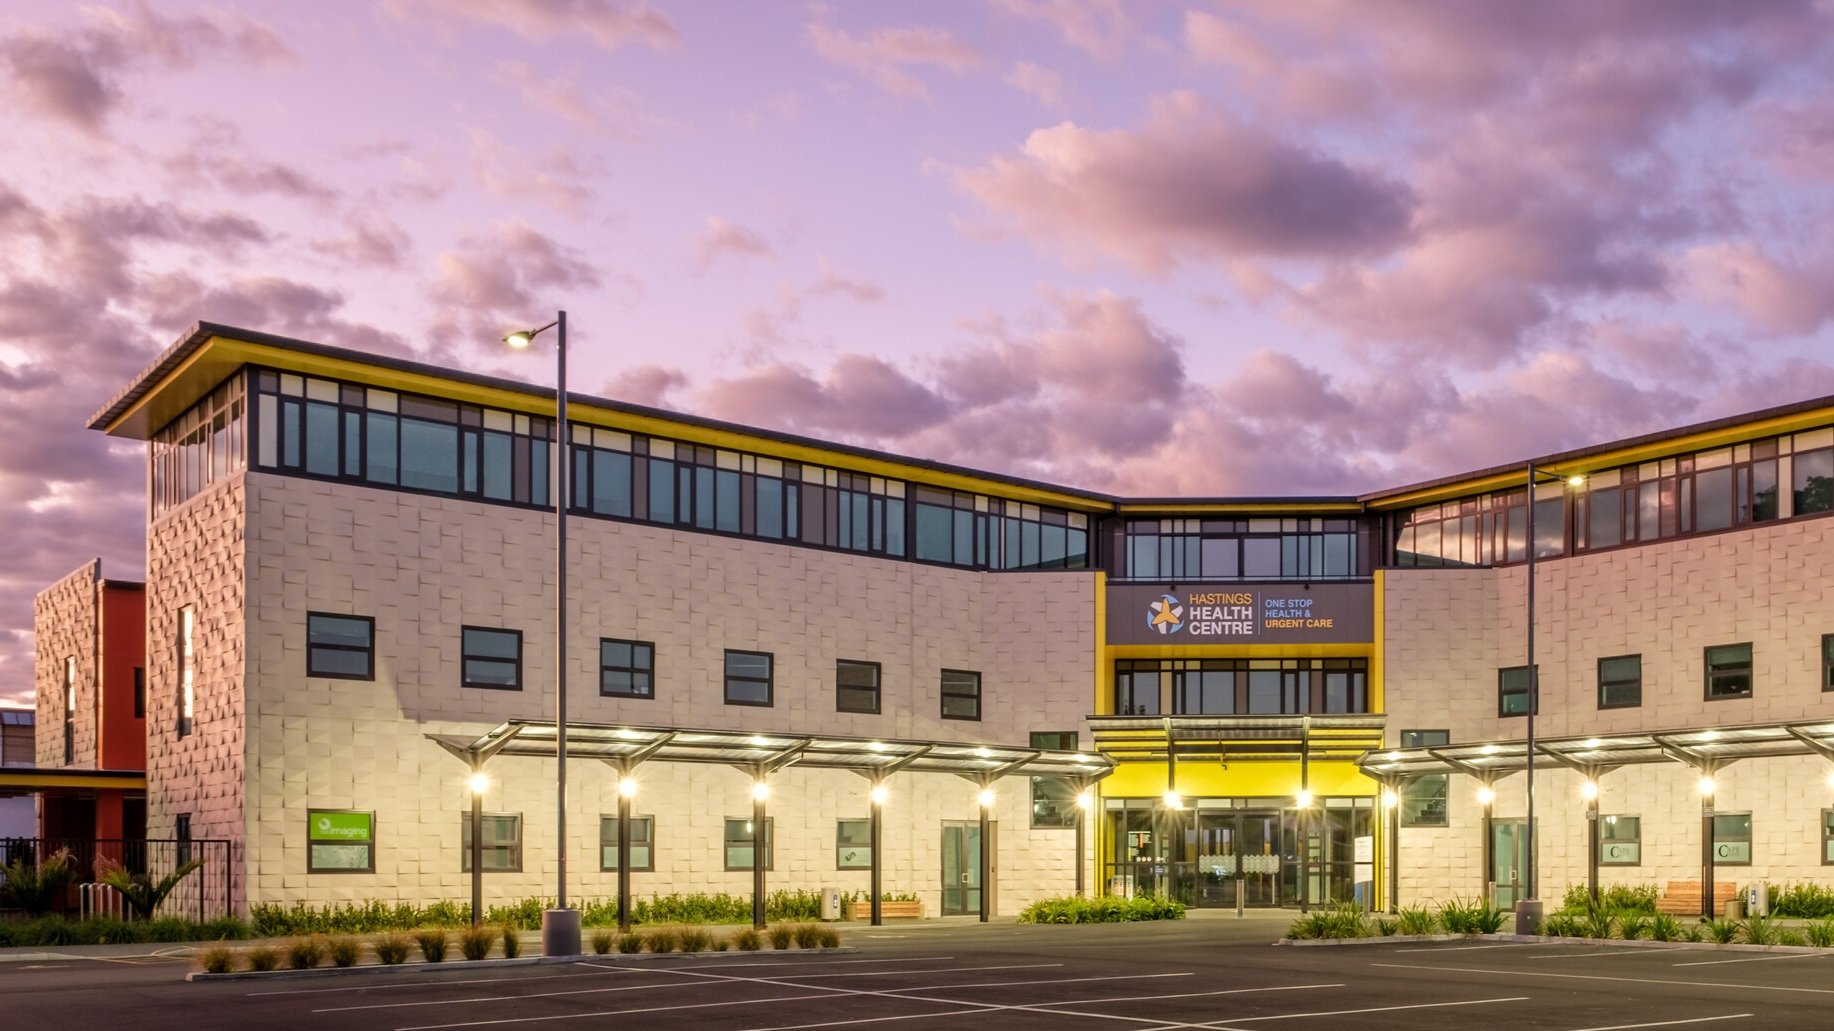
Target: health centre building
pixel 349 608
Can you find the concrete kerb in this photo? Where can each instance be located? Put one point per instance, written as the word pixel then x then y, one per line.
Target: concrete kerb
pixel 614 959
pixel 1537 939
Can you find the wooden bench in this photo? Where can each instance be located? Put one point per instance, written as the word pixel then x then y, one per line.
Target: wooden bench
pixel 1683 897
pixel 861 909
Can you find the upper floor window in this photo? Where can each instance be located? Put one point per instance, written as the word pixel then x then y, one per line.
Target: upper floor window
pixel 856 686
pixel 748 678
pixel 69 693
pixel 1240 549
pixel 1728 671
pixel 1827 662
pixel 961 694
pixel 1513 688
pixel 1620 682
pixel 1054 799
pixel 340 646
pixel 491 658
pixel 1228 687
pixel 627 668
pixel 186 668
pixel 202 446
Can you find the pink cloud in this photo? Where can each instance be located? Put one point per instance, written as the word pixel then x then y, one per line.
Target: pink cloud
pixel 610 24
pixel 1100 28
pixel 1041 83
pixel 860 289
pixel 1193 183
pixel 860 396
pixel 725 239
pixel 1777 297
pixel 886 57
pixel 619 113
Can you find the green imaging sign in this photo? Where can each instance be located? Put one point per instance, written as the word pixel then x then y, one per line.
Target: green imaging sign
pixel 341 825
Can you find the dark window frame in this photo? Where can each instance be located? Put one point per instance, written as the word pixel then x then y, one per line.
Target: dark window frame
pixel 1504 693
pixel 1606 687
pixel 1603 841
pixel 769 680
pixel 1412 797
pixel 841 689
pixel 728 842
pixel 368 651
pixel 976 695
pixel 465 658
pixel 1728 674
pixel 1750 839
pixel 841 844
pixel 1054 793
pixel 514 851
pixel 608 847
pixel 1827 837
pixel 647 669
pixel 1827 662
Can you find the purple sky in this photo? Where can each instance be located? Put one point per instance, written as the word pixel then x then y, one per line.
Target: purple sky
pixel 1247 247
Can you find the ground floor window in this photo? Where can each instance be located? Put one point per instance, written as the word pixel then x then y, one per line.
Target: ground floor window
pixel 1424 802
pixel 340 841
pixel 853 844
pixel 642 843
pixel 1053 800
pixel 1620 840
pixel 1827 836
pixel 502 842
pixel 1732 839
pixel 739 838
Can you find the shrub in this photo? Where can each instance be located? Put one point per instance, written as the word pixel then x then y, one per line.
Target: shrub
pixel 37 888
pixel 344 950
pixel 512 942
pixel 1107 909
pixel 748 940
pixel 433 943
pixel 1665 927
pixel 662 939
pixel 1560 925
pixel 1721 931
pixel 475 942
pixel 1762 930
pixel 1802 901
pixel 1791 937
pixel 1418 920
pixel 828 937
pixel 601 942
pixel 629 944
pixel 226 928
pixel 217 959
pixel 1821 933
pixel 305 953
pixel 142 893
pixel 171 929
pixel 1475 917
pixel 722 944
pixel 1386 926
pixel 696 939
pixel 1597 923
pixel 1632 925
pixel 808 936
pixel 392 949
pixel 781 936
pixel 261 957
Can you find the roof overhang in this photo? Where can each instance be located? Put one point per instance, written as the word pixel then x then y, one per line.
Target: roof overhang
pixel 1703 748
pixel 19 780
pixel 1320 738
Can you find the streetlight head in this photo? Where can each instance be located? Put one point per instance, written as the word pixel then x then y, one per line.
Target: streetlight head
pixel 760 791
pixel 1172 801
pixel 878 794
pixel 1086 799
pixel 520 339
pixel 1576 481
pixel 627 786
pixel 1707 786
pixel 986 798
pixel 1589 790
pixel 1485 796
pixel 478 783
pixel 1304 798
pixel 1389 798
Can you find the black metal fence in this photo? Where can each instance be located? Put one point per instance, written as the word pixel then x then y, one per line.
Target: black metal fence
pixel 205 894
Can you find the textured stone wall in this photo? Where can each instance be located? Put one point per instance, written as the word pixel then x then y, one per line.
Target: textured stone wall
pixel 423 567
pixel 64 624
pixel 195 556
pixel 1448 631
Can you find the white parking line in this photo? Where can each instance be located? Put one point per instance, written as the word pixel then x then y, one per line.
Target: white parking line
pixel 592 970
pixel 1602 977
pixel 618 1013
pixel 1229 1025
pixel 1462 948
pixel 1754 959
pixel 1667 1023
pixel 1583 955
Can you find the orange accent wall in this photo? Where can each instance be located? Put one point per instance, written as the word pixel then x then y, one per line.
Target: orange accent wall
pixel 122 646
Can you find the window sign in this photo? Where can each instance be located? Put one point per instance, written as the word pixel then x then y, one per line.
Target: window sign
pixel 853 845
pixel 1620 840
pixel 340 841
pixel 1732 839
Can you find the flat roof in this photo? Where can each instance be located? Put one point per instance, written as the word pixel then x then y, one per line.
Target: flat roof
pixel 1701 747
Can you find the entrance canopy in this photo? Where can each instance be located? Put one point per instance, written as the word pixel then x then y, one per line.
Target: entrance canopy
pixel 624 746
pixel 1706 748
pixel 1319 738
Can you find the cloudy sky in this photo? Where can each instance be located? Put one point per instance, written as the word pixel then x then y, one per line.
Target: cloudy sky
pixel 1259 246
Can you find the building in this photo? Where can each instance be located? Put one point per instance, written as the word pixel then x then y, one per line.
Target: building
pixel 18 810
pixel 1280 701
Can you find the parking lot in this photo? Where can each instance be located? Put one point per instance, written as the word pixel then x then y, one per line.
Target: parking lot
pixel 1197 974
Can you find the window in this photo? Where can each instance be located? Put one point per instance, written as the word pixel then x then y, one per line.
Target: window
pixel 961 694
pixel 1729 671
pixel 853 844
pixel 1732 839
pixel 1423 803
pixel 642 843
pixel 340 646
pixel 187 674
pixel 1512 691
pixel 1827 837
pixel 627 668
pixel 69 710
pixel 181 832
pixel 1053 799
pixel 140 692
pixel 739 842
pixel 502 842
pixel 1620 682
pixel 492 658
pixel 1827 662
pixel 748 678
pixel 856 686
pixel 1620 840
pixel 340 841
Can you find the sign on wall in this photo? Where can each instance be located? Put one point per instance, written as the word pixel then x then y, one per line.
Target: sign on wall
pixel 340 841
pixel 1286 613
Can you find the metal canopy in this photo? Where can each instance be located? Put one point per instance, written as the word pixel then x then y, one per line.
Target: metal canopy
pixel 1702 748
pixel 763 751
pixel 1244 738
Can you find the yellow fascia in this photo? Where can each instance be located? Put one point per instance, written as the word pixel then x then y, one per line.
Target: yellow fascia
pixel 1238 651
pixel 1251 508
pixel 1104 664
pixel 26 777
pixel 1378 698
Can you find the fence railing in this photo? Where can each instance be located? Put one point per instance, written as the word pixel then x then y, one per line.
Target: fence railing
pixel 205 894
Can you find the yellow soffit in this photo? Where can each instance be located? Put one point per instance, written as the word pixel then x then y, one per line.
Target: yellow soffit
pixel 214 362
pixel 1272 508
pixel 28 777
pixel 1241 651
pixel 1668 447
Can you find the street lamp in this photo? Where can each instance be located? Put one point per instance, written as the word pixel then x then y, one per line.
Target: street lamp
pixel 1528 907
pixel 627 790
pixel 476 785
pixel 987 798
pixel 560 926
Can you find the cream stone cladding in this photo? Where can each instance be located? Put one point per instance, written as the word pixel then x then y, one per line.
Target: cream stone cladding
pixel 1446 632
pixel 195 557
pixel 424 566
pixel 65 617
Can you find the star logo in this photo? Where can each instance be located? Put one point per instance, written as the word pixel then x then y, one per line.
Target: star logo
pixel 1165 616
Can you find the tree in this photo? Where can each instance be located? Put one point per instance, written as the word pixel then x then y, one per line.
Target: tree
pixel 142 893
pixel 36 888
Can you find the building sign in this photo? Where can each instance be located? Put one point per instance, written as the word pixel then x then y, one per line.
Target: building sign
pixel 1333 613
pixel 340 841
pixel 330 825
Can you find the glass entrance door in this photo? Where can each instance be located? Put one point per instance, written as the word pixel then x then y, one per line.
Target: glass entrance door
pixel 1508 858
pixel 1238 851
pixel 961 868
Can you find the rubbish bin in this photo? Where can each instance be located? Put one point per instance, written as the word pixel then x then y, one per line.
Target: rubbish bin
pixel 830 903
pixel 1735 909
pixel 1757 899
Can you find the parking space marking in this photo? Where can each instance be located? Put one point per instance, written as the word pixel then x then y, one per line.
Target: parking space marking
pixel 618 1013
pixel 596 970
pixel 1603 977
pixel 1583 955
pixel 1754 959
pixel 1667 1023
pixel 1229 1025
pixel 926 970
pixel 1462 948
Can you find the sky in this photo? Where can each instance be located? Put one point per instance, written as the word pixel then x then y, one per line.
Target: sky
pixel 1245 247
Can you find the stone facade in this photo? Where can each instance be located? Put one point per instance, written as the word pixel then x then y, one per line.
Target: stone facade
pixel 67 616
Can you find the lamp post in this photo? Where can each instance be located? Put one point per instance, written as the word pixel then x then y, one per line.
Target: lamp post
pixel 627 789
pixel 560 926
pixel 1528 907
pixel 877 796
pixel 476 785
pixel 986 798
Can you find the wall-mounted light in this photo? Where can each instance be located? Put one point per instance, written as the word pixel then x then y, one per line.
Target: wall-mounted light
pixel 1086 800
pixel 1389 798
pixel 1576 481
pixel 1173 801
pixel 1304 798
